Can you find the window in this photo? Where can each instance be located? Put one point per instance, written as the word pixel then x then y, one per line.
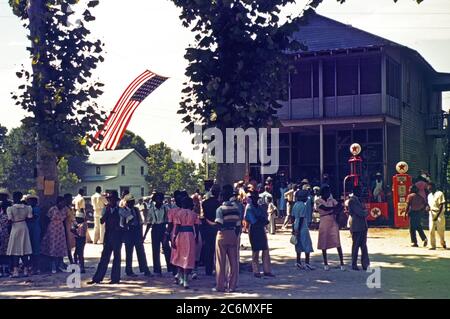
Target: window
pixel 370 72
pixel 301 82
pixel 347 77
pixel 142 191
pixel 328 79
pixel 394 78
pixel 98 170
pixel 122 169
pixel 142 171
pixel 124 190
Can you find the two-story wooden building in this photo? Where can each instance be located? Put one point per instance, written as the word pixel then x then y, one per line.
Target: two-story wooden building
pixel 118 170
pixel 353 86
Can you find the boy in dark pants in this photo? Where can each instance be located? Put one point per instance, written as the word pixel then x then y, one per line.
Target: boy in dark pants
pixel 133 237
pixel 79 229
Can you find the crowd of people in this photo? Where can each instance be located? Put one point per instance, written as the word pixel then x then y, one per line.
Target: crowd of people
pixel 195 230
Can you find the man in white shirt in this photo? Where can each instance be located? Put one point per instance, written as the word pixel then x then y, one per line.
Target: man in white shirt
pixel 98 202
pixel 436 203
pixel 79 203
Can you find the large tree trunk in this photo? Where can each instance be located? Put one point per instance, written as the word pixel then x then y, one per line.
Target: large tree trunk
pixel 47 177
pixel 230 173
pixel 47 174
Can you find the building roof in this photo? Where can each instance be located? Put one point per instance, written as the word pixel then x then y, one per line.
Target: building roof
pixel 321 34
pixel 324 34
pixel 98 178
pixel 110 157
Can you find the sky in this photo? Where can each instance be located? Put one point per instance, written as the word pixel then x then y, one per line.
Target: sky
pixel 147 34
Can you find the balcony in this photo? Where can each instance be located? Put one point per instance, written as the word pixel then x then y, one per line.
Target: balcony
pixel 436 124
pixel 340 106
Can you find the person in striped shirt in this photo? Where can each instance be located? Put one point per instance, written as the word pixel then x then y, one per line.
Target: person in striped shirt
pixel 228 220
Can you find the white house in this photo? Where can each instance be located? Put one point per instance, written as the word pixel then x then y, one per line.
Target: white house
pixel 118 170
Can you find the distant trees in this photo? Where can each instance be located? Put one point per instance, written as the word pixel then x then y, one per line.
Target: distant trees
pixel 17 159
pixel 167 176
pixel 132 140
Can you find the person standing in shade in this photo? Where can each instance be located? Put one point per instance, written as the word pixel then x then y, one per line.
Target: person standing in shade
pixel 272 212
pixel 5 260
pixel 209 207
pixel 157 219
pixel 289 196
pixel 34 228
pixel 112 242
pixel 358 229
pixel 258 220
pixel 19 244
pixel 301 230
pixel 228 221
pixel 436 203
pixel 133 237
pixel 79 228
pixel 329 237
pixel 71 211
pixel 282 200
pixel 98 202
pixel 54 243
pixel 415 209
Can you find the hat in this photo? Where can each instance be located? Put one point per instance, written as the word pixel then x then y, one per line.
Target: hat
pixel 4 191
pixel 316 188
pixel 128 198
pixel 31 196
pixel 79 214
pixel 240 183
pixel 378 174
pixel 306 187
pixel 305 181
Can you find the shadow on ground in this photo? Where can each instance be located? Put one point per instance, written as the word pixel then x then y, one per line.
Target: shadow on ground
pixel 402 276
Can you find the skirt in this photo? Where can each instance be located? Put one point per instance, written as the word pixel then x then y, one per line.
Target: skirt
pixel 328 233
pixel 19 240
pixel 258 238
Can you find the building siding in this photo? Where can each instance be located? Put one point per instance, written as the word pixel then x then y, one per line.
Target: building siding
pixel 132 178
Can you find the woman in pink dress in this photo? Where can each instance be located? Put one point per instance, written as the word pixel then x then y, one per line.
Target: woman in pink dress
pixel 185 240
pixel 172 216
pixel 54 244
pixel 328 227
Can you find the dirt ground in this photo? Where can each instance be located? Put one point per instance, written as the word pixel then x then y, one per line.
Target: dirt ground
pixel 406 272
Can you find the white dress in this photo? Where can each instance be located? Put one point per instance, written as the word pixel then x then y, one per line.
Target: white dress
pixel 19 240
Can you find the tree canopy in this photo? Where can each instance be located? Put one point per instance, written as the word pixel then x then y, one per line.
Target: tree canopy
pixel 132 140
pixel 167 176
pixel 59 92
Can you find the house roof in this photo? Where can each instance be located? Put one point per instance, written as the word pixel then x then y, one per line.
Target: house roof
pixel 110 157
pixel 98 178
pixel 321 34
